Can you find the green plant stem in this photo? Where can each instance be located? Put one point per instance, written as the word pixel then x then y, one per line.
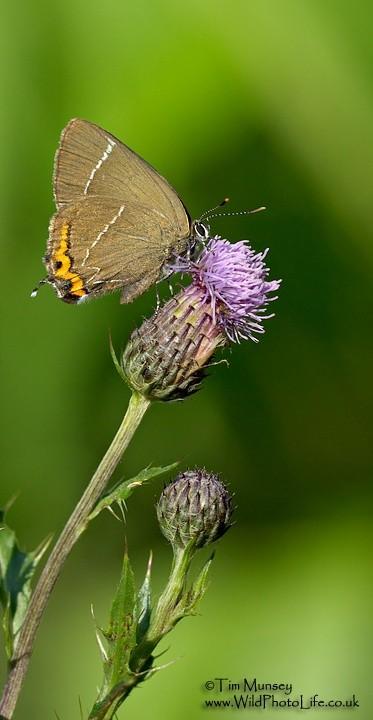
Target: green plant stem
pixel 70 534
pixel 167 603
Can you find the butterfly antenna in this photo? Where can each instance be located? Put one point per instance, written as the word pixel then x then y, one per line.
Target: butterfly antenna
pixel 36 289
pixel 238 212
pixel 206 214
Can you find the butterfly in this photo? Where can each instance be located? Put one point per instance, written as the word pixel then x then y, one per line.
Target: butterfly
pixel 118 221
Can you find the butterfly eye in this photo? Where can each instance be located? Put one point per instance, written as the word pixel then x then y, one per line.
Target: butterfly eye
pixel 202 230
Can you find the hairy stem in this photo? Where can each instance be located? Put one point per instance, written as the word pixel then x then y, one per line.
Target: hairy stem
pixel 163 616
pixel 70 534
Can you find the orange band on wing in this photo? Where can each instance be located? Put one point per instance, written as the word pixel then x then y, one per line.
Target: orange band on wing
pixel 62 258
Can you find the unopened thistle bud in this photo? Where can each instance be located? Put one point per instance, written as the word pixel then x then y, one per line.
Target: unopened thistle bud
pixel 225 302
pixel 195 507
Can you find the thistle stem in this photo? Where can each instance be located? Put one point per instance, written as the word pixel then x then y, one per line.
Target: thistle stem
pixel 69 535
pixel 172 592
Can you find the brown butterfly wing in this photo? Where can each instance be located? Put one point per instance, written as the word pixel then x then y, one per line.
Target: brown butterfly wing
pixel 91 161
pixel 102 245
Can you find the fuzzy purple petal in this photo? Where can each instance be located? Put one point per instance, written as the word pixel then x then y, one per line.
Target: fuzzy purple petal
pixel 234 280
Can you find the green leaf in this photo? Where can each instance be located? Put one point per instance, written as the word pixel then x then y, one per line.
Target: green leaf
pixel 116 362
pixel 7 629
pixel 144 608
pixel 121 635
pixel 16 570
pixel 124 489
pixel 198 588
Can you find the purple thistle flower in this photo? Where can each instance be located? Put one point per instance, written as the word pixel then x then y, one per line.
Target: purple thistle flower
pixel 233 280
pixel 226 301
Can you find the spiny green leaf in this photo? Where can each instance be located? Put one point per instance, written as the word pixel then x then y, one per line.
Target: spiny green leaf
pixel 16 570
pixel 124 489
pixel 116 362
pixel 29 566
pixel 144 604
pixel 7 629
pixel 99 632
pixel 121 635
pixel 198 588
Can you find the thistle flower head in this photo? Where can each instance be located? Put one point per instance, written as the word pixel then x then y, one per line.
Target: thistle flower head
pixel 226 301
pixel 234 281
pixel 196 507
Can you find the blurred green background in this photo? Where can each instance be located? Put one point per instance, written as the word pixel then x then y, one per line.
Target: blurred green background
pixel 269 102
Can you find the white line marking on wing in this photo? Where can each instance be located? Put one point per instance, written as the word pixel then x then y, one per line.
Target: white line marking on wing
pixel 102 232
pixel 105 155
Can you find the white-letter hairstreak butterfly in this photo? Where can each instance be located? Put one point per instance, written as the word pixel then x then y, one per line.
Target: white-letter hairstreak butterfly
pixel 118 221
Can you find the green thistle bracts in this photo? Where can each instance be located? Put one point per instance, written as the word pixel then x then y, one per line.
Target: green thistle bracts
pixel 165 357
pixel 196 507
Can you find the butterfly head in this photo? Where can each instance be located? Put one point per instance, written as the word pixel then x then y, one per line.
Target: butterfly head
pixel 201 231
